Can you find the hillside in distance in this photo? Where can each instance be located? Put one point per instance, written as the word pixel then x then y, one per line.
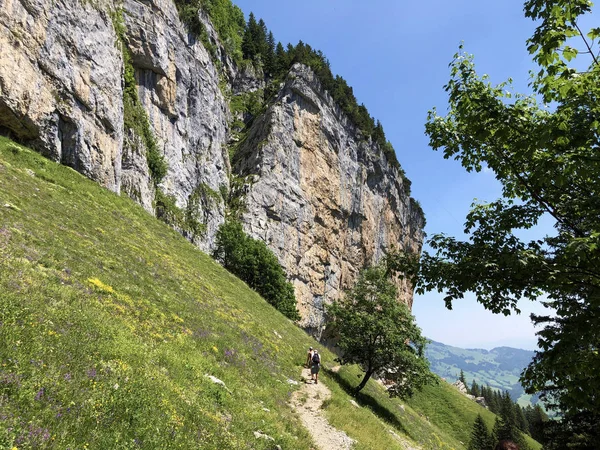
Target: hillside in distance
pixel 499 367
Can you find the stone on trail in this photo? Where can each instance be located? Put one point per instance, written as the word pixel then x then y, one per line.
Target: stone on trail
pixel 260 435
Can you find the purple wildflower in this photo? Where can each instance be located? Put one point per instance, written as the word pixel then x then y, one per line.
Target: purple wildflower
pixel 39 394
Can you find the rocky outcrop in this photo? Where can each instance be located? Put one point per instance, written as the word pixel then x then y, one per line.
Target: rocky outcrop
pixel 461 387
pixel 60 83
pixel 61 91
pixel 324 199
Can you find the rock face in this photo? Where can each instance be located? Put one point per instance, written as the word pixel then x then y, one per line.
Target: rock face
pixel 61 91
pixel 60 84
pixel 179 88
pixel 461 387
pixel 323 198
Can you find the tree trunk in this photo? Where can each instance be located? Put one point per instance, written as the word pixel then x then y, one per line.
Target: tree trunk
pixel 364 381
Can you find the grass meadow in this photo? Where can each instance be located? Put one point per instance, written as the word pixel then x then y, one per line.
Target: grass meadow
pixel 114 329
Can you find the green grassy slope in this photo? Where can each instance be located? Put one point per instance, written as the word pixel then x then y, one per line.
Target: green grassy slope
pixel 111 323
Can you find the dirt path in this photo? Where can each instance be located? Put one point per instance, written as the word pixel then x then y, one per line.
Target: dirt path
pixel 307 402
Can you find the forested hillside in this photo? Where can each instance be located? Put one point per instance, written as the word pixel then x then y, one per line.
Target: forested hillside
pixel 500 368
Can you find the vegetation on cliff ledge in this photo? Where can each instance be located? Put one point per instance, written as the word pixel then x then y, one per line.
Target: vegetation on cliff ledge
pixel 253 262
pixel 135 117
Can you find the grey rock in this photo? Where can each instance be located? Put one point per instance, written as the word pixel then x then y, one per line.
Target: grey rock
pixel 179 88
pixel 460 386
pixel 260 435
pixel 323 198
pixel 60 83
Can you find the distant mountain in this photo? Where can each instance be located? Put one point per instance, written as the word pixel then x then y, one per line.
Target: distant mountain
pixel 499 367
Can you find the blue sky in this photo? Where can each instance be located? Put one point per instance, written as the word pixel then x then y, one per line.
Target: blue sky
pixel 395 55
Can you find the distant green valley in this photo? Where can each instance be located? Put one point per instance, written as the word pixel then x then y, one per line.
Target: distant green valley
pixel 499 367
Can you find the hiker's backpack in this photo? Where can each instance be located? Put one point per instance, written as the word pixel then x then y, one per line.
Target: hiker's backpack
pixel 316 359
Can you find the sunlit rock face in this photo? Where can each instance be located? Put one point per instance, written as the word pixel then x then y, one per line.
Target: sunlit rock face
pixel 60 84
pixel 322 197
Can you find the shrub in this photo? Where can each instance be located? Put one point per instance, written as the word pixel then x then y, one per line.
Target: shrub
pixel 253 262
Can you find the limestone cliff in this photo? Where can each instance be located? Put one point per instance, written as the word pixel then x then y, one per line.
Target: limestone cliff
pixel 323 198
pixel 61 91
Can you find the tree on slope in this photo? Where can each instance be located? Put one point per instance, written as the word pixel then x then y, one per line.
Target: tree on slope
pixel 505 427
pixel 547 160
pixel 536 419
pixel 253 262
pixel 475 389
pixel 378 333
pixel 481 439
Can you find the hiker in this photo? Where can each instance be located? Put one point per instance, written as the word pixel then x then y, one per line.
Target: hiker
pixel 316 366
pixel 506 445
pixel 309 357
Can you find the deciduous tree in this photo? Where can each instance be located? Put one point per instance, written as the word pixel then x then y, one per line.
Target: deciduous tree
pixel 546 157
pixel 378 333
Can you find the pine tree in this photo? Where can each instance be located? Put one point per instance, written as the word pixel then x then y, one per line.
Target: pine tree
pixel 249 48
pixel 475 389
pixel 260 37
pixel 521 420
pixel 492 400
pixel 505 427
pixel 281 61
pixel 378 134
pixel 481 439
pixel 270 66
pixel 462 377
pixel 536 418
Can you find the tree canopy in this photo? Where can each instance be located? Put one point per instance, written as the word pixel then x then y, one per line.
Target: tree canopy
pixel 378 333
pixel 544 150
pixel 481 438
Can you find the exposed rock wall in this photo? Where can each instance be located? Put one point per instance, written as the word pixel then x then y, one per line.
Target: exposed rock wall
pixel 60 83
pixel 61 91
pixel 324 199
pixel 179 88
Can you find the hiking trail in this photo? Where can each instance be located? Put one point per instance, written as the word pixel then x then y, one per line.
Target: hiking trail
pixel 307 402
